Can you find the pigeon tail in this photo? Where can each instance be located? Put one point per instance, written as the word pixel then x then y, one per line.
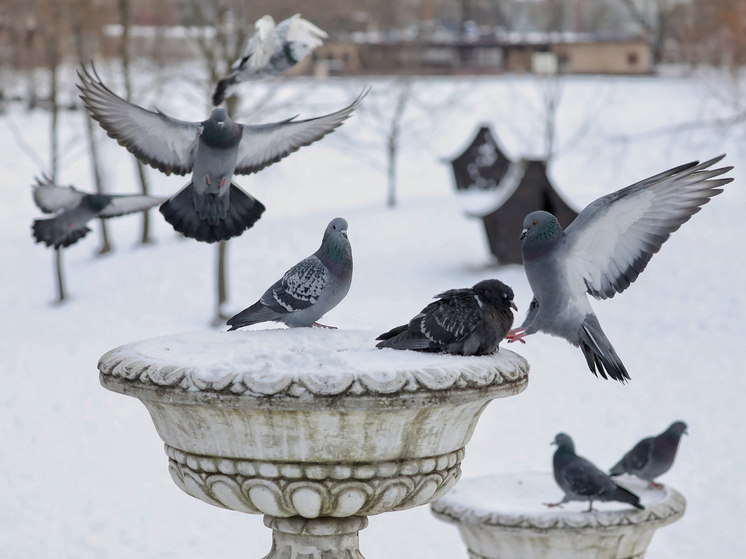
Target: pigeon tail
pixel 243 211
pixel 599 353
pixel 218 96
pixel 256 313
pixel 622 495
pixel 619 469
pixel 52 233
pixel 402 338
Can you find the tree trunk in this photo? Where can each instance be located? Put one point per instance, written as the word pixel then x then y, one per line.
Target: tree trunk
pixel 60 279
pixel 393 139
pixel 124 21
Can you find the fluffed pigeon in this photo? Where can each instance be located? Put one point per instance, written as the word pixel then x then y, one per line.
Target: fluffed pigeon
pixel 582 481
pixel 210 207
pixel 652 457
pixel 308 290
pixel 271 51
pixel 74 209
pixel 461 321
pixel 602 252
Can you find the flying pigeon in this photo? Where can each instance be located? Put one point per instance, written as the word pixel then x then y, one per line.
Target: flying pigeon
pixel 74 209
pixel 210 207
pixel 461 321
pixel 271 51
pixel 602 252
pixel 652 457
pixel 308 290
pixel 582 481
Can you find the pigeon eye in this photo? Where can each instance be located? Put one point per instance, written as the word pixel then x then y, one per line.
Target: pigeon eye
pixel 334 226
pixel 534 222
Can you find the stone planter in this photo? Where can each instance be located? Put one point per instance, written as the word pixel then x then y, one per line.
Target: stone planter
pixel 503 517
pixel 313 428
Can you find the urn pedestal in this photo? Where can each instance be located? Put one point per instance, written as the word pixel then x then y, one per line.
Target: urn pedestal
pixel 503 517
pixel 313 428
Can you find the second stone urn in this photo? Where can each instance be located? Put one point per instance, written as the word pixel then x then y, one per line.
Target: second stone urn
pixel 313 428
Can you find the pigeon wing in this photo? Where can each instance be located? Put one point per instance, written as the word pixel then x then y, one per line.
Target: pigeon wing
pixel 296 28
pixel 299 288
pixel 451 318
pixel 264 144
pixel 163 142
pixel 261 46
pixel 637 458
pixel 51 198
pixel 129 203
pixel 583 478
pixel 612 240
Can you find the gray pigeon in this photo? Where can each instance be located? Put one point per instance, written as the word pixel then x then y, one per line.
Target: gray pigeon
pixel 271 51
pixel 210 207
pixel 308 290
pixel 652 457
pixel 461 321
pixel 582 481
pixel 602 252
pixel 74 209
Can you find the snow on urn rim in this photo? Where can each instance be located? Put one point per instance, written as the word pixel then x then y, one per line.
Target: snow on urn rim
pixel 302 363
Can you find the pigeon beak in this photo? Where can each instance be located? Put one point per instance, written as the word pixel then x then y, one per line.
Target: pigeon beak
pixel 512 304
pixel 344 233
pixel 553 443
pixel 523 234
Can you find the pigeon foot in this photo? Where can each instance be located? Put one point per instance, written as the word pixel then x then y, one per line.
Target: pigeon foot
pixel 653 485
pixel 222 182
pixel 516 335
pixel 590 508
pixel 553 505
pixel 207 179
pixel 317 325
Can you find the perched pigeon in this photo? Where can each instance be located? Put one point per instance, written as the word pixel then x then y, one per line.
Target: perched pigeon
pixel 461 321
pixel 652 457
pixel 308 290
pixel 74 209
pixel 271 51
pixel 210 207
pixel 602 252
pixel 582 481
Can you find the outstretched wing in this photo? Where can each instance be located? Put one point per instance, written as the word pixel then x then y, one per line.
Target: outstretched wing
pixel 299 288
pixel 296 28
pixel 165 143
pixel 450 319
pixel 261 46
pixel 612 240
pixel 51 198
pixel 264 144
pixel 130 203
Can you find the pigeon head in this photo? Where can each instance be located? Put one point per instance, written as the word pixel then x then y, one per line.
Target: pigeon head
pixel 564 442
pixel 678 428
pixel 220 130
pixel 335 246
pixel 541 230
pixel 495 292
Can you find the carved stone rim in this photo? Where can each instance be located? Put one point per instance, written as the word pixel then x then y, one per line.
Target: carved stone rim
pixel 510 373
pixel 664 511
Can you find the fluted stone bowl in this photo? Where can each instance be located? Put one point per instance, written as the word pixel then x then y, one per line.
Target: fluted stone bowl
pixel 503 516
pixel 309 422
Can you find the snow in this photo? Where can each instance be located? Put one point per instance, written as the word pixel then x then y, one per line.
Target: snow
pixel 333 358
pixel 84 472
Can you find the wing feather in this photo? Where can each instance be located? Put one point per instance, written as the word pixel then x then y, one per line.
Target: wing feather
pixel 51 198
pixel 130 203
pixel 450 319
pixel 163 142
pixel 264 144
pixel 299 288
pixel 612 240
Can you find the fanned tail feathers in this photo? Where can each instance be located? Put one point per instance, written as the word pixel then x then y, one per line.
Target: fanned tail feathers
pixel 222 87
pixel 599 353
pixel 242 212
pixel 52 233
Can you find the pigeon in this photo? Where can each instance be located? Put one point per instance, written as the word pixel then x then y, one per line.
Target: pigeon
pixel 74 209
pixel 602 252
pixel 271 51
pixel 461 321
pixel 308 290
pixel 210 208
pixel 582 481
pixel 652 457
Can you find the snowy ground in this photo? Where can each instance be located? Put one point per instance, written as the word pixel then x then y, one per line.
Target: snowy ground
pixel 84 473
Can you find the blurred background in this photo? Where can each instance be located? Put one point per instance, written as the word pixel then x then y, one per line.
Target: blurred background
pixel 480 111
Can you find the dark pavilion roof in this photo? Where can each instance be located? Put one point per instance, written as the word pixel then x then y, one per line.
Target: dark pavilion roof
pixel 482 165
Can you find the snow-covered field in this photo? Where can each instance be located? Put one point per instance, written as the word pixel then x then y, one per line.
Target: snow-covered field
pixel 83 472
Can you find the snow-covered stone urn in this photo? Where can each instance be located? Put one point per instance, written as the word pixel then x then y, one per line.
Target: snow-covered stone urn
pixel 503 516
pixel 315 429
